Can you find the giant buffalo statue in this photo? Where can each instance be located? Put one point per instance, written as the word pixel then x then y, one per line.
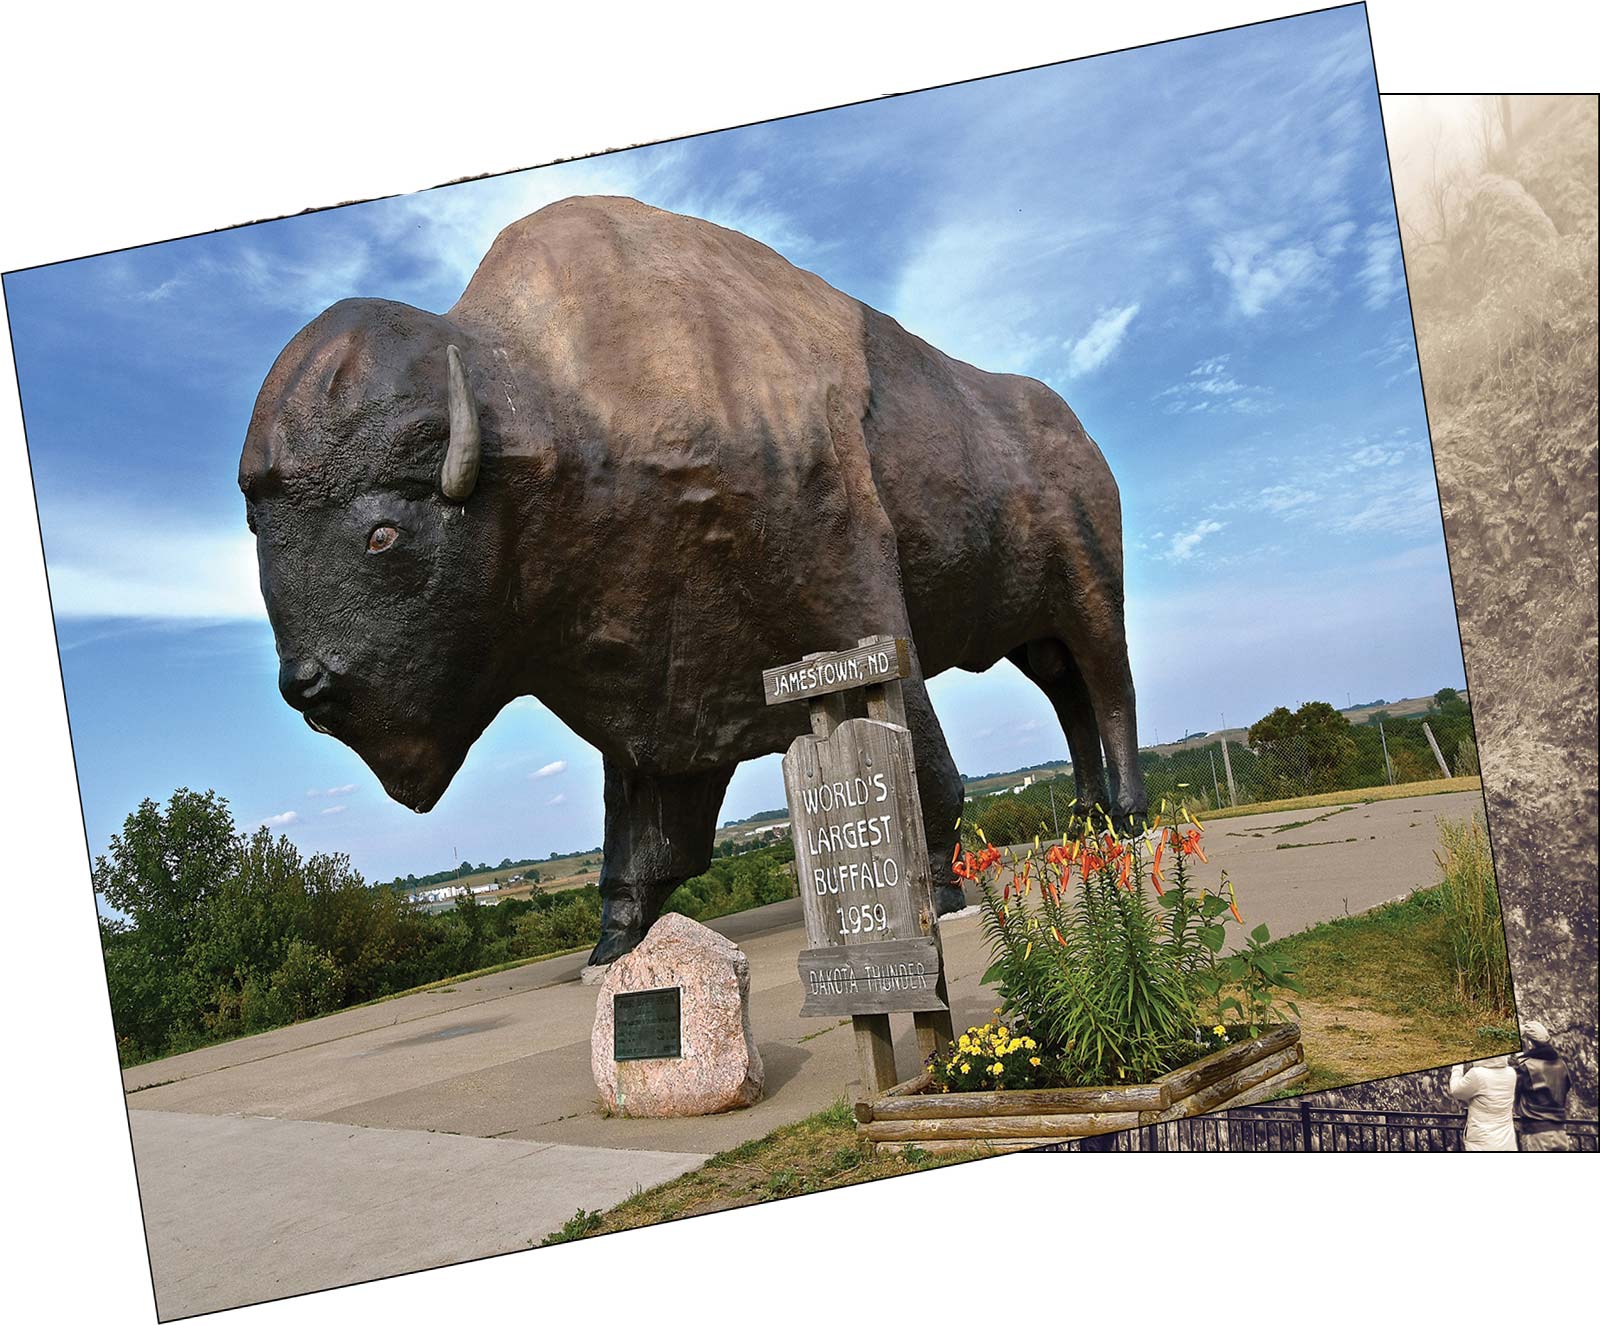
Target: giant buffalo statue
pixel 640 460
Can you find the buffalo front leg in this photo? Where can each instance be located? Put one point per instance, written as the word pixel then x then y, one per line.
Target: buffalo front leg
pixel 940 790
pixel 658 834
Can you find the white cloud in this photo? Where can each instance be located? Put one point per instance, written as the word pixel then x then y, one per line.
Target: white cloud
pixel 549 770
pixel 1382 274
pixel 1185 544
pixel 1408 511
pixel 1285 497
pixel 1211 388
pixel 1100 341
pixel 1371 456
pixel 560 798
pixel 108 560
pixel 336 809
pixel 156 293
pixel 988 282
pixel 1262 272
pixel 281 820
pixel 307 287
pixel 1336 236
pixel 332 791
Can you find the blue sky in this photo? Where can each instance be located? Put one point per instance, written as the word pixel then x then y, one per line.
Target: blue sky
pixel 1193 243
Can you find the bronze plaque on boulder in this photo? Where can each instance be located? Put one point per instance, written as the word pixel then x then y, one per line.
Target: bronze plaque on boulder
pixel 647 1023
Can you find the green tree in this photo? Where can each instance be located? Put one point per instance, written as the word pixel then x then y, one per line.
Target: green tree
pixel 165 865
pixel 1304 751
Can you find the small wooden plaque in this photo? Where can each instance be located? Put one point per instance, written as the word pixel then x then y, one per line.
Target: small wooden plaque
pixel 829 673
pixel 843 980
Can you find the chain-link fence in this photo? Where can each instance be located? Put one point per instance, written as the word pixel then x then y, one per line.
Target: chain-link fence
pixel 1284 756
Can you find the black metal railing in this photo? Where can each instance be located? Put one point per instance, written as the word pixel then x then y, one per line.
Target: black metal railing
pixel 1308 1127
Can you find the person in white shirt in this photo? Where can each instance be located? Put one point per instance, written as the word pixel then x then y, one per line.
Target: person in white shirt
pixel 1489 1090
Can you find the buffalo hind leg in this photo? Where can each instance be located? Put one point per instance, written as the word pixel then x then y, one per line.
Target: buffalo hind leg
pixel 1103 662
pixel 658 834
pixel 939 788
pixel 1049 664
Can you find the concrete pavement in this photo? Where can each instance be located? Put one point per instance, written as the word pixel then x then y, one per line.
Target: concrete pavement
pixel 362 1203
pixel 249 1135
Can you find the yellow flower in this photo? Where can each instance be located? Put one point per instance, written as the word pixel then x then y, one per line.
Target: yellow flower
pixel 998 1068
pixel 965 1068
pixel 1221 1032
pixel 1034 1061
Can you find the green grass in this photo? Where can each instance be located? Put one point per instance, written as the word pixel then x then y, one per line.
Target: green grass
pixel 1331 842
pixel 1357 796
pixel 580 1225
pixel 812 1155
pixel 1381 997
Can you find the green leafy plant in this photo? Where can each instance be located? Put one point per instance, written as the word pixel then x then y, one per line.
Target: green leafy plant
pixel 1110 960
pixel 1246 983
pixel 580 1225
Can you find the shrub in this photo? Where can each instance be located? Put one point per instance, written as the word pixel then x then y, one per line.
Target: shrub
pixel 308 984
pixel 1470 900
pixel 570 922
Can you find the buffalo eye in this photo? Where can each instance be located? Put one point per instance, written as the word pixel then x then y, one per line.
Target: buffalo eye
pixel 381 539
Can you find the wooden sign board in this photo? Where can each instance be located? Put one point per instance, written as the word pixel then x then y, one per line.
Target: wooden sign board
pixel 901 975
pixel 860 854
pixel 827 674
pixel 861 859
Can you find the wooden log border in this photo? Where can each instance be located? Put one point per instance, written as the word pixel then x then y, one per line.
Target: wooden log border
pixel 980 1128
pixel 1192 1077
pixel 1019 1103
pixel 997 1121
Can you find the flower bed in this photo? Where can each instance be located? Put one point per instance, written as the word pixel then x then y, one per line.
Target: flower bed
pixel 1243 1073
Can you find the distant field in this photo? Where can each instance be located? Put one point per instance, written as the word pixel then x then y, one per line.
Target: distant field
pixel 580 868
pixel 750 826
pixel 1360 714
pixel 554 875
pixel 1353 796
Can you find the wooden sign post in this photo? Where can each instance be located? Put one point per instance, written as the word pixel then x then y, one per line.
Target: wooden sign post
pixel 861 854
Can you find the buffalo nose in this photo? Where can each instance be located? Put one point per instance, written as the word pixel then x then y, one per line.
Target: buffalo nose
pixel 302 683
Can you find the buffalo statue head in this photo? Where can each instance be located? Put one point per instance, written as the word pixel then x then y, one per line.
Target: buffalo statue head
pixel 385 567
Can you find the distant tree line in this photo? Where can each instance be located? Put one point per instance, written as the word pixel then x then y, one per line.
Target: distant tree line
pixel 1309 751
pixel 779 813
pixel 223 933
pixel 411 882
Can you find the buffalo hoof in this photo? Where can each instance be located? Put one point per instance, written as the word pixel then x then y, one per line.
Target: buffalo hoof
pixel 613 944
pixel 947 899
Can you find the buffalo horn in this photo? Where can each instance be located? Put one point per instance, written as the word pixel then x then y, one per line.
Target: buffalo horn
pixel 460 473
